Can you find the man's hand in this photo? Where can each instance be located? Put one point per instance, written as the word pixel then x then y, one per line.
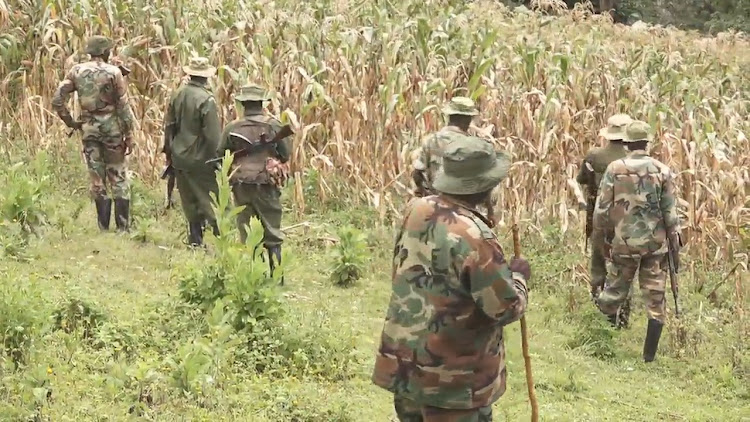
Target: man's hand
pixel 521 266
pixel 595 291
pixel 73 124
pixel 128 145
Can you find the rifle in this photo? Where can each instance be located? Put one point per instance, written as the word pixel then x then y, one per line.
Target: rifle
pixel 285 131
pixel 673 270
pixel 168 174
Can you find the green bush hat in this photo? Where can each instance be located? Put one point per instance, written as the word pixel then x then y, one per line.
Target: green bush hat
pixel 98 45
pixel 252 93
pixel 637 131
pixel 461 105
pixel 615 129
pixel 199 66
pixel 470 165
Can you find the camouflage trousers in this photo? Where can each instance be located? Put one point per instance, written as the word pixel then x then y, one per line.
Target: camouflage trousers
pixel 108 168
pixel 409 411
pixel 652 277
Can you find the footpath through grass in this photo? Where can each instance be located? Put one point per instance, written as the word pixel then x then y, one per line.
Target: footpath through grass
pixel 111 339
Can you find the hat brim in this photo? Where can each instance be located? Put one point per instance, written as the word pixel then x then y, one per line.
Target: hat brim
pixel 608 134
pixel 211 71
pixel 244 98
pixel 481 182
pixel 451 111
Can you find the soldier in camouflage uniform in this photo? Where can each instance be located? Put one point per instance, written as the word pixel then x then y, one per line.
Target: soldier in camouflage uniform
pixel 254 182
pixel 590 174
pixel 107 124
pixel 426 160
pixel 441 352
pixel 191 135
pixel 636 212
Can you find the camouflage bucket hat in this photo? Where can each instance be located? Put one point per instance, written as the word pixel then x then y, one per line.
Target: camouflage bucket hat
pixel 199 66
pixel 470 165
pixel 252 93
pixel 615 129
pixel 98 45
pixel 461 105
pixel 637 131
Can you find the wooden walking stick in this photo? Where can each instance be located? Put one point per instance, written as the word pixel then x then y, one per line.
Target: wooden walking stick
pixel 525 341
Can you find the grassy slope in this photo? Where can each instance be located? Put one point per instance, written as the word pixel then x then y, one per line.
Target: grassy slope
pixel 131 283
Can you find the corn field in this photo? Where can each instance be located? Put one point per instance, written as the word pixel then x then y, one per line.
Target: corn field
pixel 361 81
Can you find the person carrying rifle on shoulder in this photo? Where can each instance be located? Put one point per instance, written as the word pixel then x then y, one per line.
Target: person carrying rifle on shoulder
pixel 261 149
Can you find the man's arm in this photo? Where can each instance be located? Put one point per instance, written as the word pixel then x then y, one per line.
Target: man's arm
pixel 211 127
pixel 60 99
pixel 169 129
pixel 124 112
pixel 605 200
pixel 668 204
pixel 283 149
pixel 498 291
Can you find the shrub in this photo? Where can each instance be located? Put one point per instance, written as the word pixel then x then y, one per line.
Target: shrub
pixel 20 319
pixel 349 256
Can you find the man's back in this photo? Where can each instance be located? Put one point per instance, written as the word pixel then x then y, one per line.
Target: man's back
pixel 637 201
pixel 453 293
pixel 428 157
pixel 599 158
pixel 195 130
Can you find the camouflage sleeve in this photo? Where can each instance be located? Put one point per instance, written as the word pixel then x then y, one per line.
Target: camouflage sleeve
pixel 668 204
pixel 283 147
pixel 61 96
pixel 604 202
pixel 211 127
pixel 124 112
pixel 497 291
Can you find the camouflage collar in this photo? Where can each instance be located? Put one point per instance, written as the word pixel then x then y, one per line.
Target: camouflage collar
pixel 465 205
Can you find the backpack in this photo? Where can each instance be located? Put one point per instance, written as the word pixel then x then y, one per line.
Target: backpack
pixel 260 165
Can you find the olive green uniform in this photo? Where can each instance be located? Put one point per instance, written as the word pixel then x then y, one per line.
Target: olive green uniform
pixel 591 173
pixel 191 136
pixel 261 198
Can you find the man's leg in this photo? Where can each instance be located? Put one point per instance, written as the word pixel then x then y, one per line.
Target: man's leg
pixel 267 203
pixel 205 184
pixel 616 292
pixel 117 179
pixel 435 414
pixel 653 279
pixel 189 202
pixel 92 151
pixel 407 410
pixel 243 196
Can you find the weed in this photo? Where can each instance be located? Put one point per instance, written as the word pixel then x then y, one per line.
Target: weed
pixel 349 256
pixel 594 335
pixel 20 320
pixel 77 314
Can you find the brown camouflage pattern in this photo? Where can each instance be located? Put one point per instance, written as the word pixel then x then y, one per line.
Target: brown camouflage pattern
pixel 409 411
pixel 452 293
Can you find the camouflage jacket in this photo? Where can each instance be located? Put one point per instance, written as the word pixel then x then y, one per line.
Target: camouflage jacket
pixel 427 159
pixel 636 206
pixel 103 96
pixel 191 127
pixel 452 293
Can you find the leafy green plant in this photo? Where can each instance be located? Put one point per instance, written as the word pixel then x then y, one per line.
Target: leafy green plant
pixel 349 256
pixel 24 188
pixel 238 273
pixel 594 336
pixel 20 320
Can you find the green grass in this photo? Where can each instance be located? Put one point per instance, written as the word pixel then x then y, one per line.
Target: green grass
pixel 146 332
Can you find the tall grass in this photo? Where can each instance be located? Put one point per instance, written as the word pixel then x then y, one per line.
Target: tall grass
pixel 360 81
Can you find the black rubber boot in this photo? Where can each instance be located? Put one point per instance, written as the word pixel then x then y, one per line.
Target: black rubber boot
pixel 195 235
pixel 103 212
pixel 653 333
pixel 612 320
pixel 122 214
pixel 274 258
